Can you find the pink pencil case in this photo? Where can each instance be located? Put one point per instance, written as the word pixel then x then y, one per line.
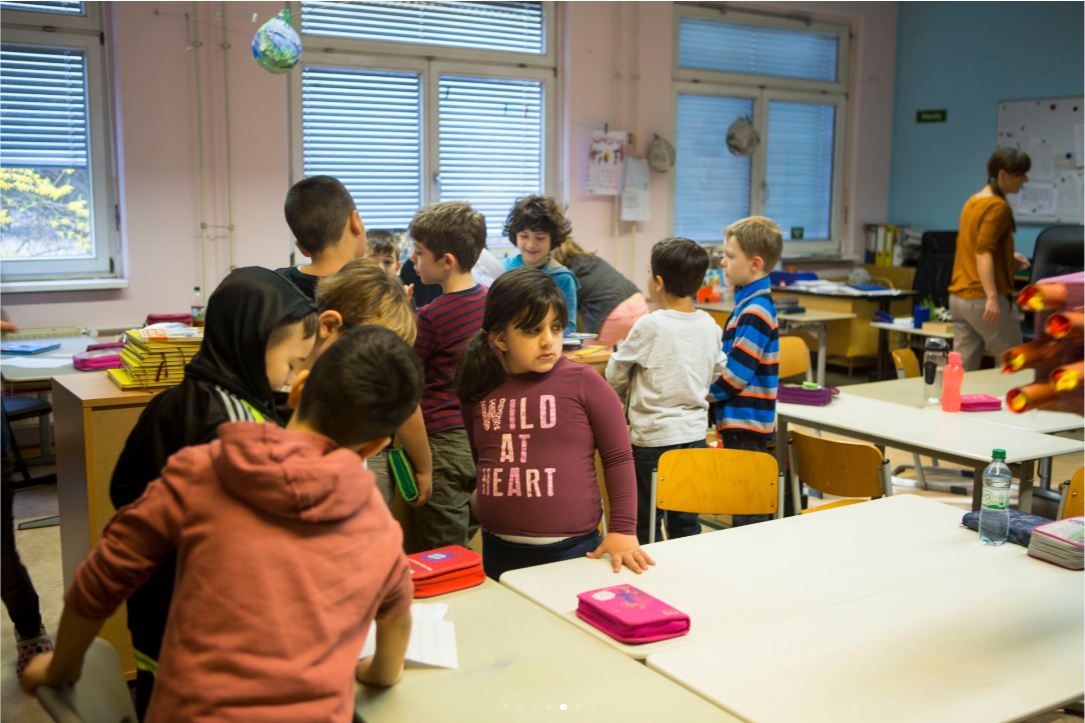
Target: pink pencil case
pixel 99 356
pixel 631 616
pixel 980 403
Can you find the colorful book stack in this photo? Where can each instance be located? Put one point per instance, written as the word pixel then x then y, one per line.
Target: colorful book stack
pixel 156 358
pixel 1060 543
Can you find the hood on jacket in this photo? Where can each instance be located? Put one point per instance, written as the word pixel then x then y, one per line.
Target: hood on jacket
pixel 241 314
pixel 295 475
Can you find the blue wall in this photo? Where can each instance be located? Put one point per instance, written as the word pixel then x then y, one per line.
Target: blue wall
pixel 966 57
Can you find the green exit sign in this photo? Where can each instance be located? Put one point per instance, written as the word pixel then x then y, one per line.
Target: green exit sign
pixel 930 116
pixel 796 232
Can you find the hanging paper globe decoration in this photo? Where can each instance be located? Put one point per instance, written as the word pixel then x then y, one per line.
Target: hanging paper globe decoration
pixel 742 137
pixel 276 47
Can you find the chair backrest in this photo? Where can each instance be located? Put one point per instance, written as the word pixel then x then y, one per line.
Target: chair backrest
pixel 100 696
pixel 1072 503
pixel 794 357
pixel 717 482
pixel 1058 251
pixel 906 363
pixel 844 469
pixel 934 270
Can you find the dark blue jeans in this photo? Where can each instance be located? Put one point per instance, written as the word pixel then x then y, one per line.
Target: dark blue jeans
pixel 679 524
pixel 499 556
pixel 749 443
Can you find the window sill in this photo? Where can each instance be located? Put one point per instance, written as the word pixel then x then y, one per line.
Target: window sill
pixel 27 287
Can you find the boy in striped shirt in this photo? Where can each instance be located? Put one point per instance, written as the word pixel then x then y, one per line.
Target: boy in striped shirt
pixel 448 239
pixel 745 393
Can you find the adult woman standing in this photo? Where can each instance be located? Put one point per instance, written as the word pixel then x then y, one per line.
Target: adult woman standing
pixel 608 302
pixel 981 290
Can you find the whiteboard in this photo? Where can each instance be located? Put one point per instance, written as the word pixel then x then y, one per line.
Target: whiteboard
pixel 1051 132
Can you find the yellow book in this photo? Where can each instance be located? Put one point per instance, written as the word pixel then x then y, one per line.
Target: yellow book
pixel 124 380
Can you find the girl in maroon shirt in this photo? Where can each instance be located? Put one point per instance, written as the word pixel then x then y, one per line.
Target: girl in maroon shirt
pixel 534 420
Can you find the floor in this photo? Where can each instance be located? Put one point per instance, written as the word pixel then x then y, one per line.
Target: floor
pixel 40 552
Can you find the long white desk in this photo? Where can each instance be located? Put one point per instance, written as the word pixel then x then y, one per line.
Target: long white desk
pixel 999 642
pixel 735 579
pixel 518 662
pixel 69 346
pixel 956 438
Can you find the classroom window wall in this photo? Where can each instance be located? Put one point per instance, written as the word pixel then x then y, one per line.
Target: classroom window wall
pixel 425 117
pixel 786 78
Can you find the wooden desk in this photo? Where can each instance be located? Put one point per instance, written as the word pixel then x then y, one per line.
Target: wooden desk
pixel 598 360
pixel 520 663
pixel 93 420
pixel 998 642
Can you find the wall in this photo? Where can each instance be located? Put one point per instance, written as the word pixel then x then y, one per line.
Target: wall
pixel 154 84
pixel 966 57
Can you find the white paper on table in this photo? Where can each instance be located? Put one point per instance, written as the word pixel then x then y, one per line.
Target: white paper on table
pixel 606 163
pixel 1038 198
pixel 29 362
pixel 1042 155
pixel 433 639
pixel 636 200
pixel 1079 145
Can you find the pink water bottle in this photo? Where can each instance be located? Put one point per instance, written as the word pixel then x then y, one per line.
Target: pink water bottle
pixel 952 377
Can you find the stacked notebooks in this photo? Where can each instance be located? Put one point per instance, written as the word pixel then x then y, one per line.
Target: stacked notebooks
pixel 156 358
pixel 1060 543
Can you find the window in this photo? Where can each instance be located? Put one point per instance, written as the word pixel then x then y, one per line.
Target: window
pixel 442 113
pixel 788 78
pixel 56 218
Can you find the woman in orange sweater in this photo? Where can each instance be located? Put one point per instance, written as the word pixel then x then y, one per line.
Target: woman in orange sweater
pixel 981 291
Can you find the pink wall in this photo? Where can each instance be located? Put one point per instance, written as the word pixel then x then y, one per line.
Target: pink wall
pixel 154 85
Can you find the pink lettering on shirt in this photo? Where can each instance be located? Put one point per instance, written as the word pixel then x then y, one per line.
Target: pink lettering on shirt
pixel 523 414
pixel 507 454
pixel 550 481
pixel 486 480
pixel 514 482
pixel 497 481
pixel 533 481
pixel 491 416
pixel 523 447
pixel 512 413
pixel 548 411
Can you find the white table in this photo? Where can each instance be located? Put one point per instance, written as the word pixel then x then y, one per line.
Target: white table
pixel 815 319
pixel 881 325
pixel 520 663
pixel 69 346
pixel 998 642
pixel 735 579
pixel 956 438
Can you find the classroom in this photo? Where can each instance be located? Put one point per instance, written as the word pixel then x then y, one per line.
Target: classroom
pixel 405 360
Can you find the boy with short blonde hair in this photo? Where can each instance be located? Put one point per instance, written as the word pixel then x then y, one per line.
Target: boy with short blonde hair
pixel 745 393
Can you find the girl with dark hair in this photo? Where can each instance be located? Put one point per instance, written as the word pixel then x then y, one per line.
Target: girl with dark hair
pixel 537 226
pixel 534 420
pixel 981 290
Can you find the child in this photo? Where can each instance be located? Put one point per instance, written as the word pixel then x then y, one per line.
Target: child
pixel 535 420
pixel 746 392
pixel 672 357
pixel 363 293
pixel 321 214
pixel 609 303
pixel 537 225
pixel 382 247
pixel 448 238
pixel 259 329
pixel 286 554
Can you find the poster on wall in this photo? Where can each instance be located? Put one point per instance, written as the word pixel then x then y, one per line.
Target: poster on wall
pixel 606 163
pixel 635 197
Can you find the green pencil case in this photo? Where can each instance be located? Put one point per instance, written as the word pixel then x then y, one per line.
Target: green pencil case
pixel 403 474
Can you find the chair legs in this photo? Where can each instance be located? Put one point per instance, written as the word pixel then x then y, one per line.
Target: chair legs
pixel 652 502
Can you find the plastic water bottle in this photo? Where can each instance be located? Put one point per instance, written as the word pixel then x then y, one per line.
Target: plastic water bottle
pixel 995 507
pixel 197 307
pixel 934 361
pixel 952 378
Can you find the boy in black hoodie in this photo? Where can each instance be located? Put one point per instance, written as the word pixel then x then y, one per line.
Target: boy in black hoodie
pixel 259 327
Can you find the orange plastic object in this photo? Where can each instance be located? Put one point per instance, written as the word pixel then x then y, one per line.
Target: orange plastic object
pixel 1027 356
pixel 1031 396
pixel 1066 325
pixel 1042 296
pixel 1068 378
pixel 709 293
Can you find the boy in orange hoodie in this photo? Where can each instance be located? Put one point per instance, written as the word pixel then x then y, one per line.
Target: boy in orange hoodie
pixel 286 554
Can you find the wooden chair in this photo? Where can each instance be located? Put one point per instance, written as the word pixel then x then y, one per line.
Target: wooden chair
pixel 843 469
pixel 794 358
pixel 1072 502
pixel 717 482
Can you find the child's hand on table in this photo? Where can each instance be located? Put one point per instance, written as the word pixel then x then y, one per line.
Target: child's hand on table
pixel 623 549
pixel 424 480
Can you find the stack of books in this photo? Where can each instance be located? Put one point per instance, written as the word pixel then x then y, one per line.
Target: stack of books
pixel 1060 543
pixel 156 358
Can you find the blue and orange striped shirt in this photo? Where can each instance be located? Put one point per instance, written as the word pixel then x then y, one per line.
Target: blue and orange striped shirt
pixel 746 392
pixel 444 326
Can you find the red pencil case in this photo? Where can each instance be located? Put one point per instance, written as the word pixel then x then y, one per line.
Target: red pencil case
pixel 185 319
pixel 980 403
pixel 99 356
pixel 630 615
pixel 445 570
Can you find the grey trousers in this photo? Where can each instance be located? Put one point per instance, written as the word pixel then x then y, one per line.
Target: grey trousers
pixel 971 333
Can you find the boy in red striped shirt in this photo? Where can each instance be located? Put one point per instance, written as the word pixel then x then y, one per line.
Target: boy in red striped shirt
pixel 448 239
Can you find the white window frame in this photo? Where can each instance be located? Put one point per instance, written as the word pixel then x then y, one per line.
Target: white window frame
pixel 90 20
pixel 100 157
pixel 431 62
pixel 762 89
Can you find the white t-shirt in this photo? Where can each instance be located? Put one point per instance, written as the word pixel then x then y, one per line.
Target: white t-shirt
pixel 672 357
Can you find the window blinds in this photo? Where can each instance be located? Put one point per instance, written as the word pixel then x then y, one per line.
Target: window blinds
pixel 43 107
pixel 799 167
pixel 738 48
